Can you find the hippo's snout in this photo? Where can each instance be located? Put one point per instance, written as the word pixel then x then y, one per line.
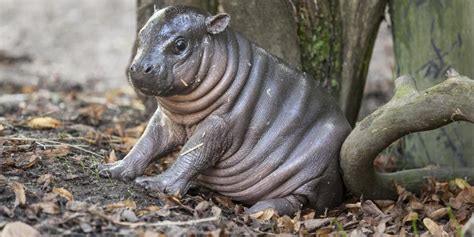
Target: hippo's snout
pixel 145 77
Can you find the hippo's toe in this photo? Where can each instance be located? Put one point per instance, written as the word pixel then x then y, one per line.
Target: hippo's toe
pixel 117 170
pixel 283 206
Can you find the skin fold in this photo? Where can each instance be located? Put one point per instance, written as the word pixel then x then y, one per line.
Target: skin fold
pixel 251 127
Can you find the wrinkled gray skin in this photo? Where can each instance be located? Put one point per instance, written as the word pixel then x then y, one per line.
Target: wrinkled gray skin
pixel 252 128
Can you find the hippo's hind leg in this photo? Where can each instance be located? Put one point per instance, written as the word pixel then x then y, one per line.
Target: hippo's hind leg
pixel 283 206
pixel 159 137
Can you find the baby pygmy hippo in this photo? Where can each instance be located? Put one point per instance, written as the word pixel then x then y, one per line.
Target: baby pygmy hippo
pixel 251 127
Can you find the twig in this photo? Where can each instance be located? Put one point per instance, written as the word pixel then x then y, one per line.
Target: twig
pixel 192 149
pixel 50 141
pixel 157 224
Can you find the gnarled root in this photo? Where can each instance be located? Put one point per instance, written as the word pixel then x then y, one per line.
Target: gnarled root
pixel 408 111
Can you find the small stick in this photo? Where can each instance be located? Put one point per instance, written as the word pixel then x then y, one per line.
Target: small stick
pixel 50 141
pixel 192 149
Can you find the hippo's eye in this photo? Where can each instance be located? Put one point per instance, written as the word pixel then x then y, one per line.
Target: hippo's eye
pixel 180 45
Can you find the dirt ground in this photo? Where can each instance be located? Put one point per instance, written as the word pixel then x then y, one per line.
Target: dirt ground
pixel 65 107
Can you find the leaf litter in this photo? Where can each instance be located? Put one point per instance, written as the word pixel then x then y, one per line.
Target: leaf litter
pixel 49 184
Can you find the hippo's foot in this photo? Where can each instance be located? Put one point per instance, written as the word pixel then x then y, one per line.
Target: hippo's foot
pixel 119 170
pixel 164 183
pixel 283 206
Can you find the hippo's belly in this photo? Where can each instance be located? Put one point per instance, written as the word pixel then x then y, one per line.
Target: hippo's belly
pixel 276 134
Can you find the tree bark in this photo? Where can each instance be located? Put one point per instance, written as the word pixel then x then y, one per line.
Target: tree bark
pixel 320 41
pixel 268 23
pixel 408 111
pixel 361 21
pixel 429 37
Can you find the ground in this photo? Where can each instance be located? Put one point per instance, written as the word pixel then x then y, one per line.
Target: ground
pixel 53 136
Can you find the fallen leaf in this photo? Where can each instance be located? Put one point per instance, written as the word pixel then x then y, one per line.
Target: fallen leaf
pixel 135 132
pixel 264 215
pixel 202 206
pixel 439 213
pixel 128 203
pixel 216 211
pixel 148 210
pixel 461 183
pixel 466 195
pixel 44 123
pixel 19 229
pixel 45 180
pixel 26 160
pixel 412 216
pixel 3 181
pixel 434 228
pixel 128 215
pixel 56 152
pixel 63 193
pixel 92 114
pixel 20 197
pixel 313 224
pixel 111 158
pixel 285 224
pixel 47 207
pixel 76 206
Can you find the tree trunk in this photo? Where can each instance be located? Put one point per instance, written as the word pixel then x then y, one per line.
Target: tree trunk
pixel 268 23
pixel 429 37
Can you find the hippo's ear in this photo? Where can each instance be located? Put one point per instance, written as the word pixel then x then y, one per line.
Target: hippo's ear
pixel 216 24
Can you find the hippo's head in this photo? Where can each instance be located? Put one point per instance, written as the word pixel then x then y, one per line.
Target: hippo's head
pixel 170 49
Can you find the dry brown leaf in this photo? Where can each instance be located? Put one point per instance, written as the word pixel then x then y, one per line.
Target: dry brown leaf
pixel 439 213
pixel 434 228
pixel 56 152
pixel 19 190
pixel 264 215
pixel 26 160
pixel 76 206
pixel 285 224
pixel 461 183
pixel 19 229
pixel 216 211
pixel 111 158
pixel 224 201
pixel 148 210
pixel 325 231
pixel 410 217
pixel 128 203
pixel 126 144
pixel 92 113
pixel 44 123
pixel 45 180
pixel 3 181
pixel 47 207
pixel 313 224
pixel 466 195
pixel 202 206
pixel 63 193
pixel 135 132
pixel 370 208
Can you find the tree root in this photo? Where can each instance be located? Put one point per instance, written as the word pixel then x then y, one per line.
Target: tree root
pixel 408 111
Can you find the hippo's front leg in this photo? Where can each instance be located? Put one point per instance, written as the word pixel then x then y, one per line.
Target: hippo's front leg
pixel 159 137
pixel 207 144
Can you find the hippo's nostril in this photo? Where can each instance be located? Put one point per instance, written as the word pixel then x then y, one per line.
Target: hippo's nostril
pixel 148 69
pixel 133 68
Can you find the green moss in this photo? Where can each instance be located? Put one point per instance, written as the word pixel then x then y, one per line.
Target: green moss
pixel 319 34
